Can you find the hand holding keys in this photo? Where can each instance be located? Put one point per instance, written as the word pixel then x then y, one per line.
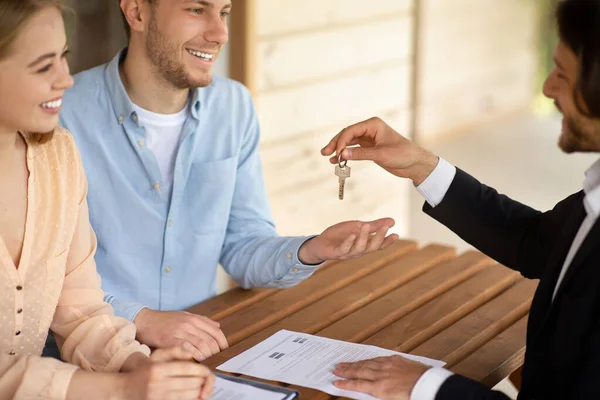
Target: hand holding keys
pixel 342 171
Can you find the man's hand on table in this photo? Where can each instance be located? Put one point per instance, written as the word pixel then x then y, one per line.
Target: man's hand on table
pixel 165 329
pixel 347 240
pixel 386 378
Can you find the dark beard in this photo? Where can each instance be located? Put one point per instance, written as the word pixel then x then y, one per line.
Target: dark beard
pixel 164 55
pixel 579 138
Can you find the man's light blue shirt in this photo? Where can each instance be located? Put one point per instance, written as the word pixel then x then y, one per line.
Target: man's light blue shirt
pixel 161 251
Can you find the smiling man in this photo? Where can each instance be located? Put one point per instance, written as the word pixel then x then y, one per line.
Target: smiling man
pixel 175 178
pixel 561 247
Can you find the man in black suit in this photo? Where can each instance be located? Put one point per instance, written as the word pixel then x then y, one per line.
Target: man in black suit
pixel 560 247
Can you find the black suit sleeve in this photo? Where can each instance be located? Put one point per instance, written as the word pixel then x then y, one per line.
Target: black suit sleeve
pixel 512 233
pixel 460 388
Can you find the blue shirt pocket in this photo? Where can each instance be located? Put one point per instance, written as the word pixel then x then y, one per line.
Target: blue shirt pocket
pixel 209 193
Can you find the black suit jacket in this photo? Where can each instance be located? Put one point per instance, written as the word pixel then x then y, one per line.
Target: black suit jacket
pixel 562 360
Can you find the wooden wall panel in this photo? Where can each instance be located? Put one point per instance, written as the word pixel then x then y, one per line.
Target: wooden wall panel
pixel 291 112
pixel 320 65
pixel 323 54
pixel 276 17
pixel 477 62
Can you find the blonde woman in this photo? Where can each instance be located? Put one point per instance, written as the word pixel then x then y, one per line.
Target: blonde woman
pixel 48 278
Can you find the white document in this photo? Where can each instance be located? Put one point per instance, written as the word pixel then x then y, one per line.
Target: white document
pixel 307 360
pixel 228 390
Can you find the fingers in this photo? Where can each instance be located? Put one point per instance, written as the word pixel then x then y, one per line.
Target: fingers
pixel 352 134
pixel 379 241
pixel 207 320
pixel 390 240
pixel 180 369
pixel 331 146
pixel 185 384
pixel 204 345
pixel 376 240
pixel 381 223
pixel 181 395
pixel 207 389
pixel 356 385
pixel 363 153
pixel 204 335
pixel 182 352
pixel 384 359
pixel 211 328
pixel 347 244
pixel 185 388
pixel 360 244
pixel 362 370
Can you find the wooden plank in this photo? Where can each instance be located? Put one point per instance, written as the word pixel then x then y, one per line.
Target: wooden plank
pixel 229 302
pixel 472 28
pixel 233 300
pixel 381 313
pixel 498 358
pixel 432 318
pixel 337 305
pixel 287 113
pixel 489 74
pixel 479 326
pixel 277 17
pixel 323 55
pixel 482 9
pixel 250 320
pixel 469 110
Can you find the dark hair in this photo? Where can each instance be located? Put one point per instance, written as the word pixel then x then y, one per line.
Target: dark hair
pixel 126 24
pixel 579 28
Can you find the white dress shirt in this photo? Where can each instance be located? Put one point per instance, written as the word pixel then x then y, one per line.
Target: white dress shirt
pixel 434 189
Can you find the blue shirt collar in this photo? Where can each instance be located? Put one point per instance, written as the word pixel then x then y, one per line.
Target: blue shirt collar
pixel 122 104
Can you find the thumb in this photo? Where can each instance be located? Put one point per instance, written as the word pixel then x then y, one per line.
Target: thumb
pixel 183 352
pixel 362 153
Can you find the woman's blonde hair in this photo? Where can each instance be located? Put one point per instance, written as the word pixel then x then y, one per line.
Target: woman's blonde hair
pixel 14 14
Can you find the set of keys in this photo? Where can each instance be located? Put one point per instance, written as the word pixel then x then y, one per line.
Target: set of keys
pixel 342 171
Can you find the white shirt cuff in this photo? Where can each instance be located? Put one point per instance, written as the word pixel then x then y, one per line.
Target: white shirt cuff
pixel 429 383
pixel 434 188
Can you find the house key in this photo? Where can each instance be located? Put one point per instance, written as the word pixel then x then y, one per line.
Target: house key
pixel 342 171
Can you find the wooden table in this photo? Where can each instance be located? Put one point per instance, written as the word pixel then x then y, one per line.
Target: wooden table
pixel 466 310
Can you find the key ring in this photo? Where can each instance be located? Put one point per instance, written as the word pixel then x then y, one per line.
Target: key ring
pixel 340 161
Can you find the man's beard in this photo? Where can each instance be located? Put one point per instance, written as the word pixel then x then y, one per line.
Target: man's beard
pixel 579 135
pixel 164 56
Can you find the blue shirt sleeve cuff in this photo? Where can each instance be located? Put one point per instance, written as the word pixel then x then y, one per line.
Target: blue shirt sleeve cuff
pixel 291 270
pixel 299 242
pixel 124 309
